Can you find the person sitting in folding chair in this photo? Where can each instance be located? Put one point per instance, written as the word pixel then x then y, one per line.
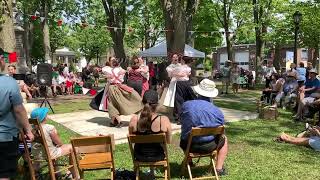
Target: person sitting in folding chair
pixel 149 122
pixel 55 145
pixel 203 114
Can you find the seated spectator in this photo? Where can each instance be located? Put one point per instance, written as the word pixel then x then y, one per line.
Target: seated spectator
pixel 149 122
pixel 301 72
pixel 288 91
pixel 205 90
pixel 201 113
pixel 309 139
pixel 308 93
pixel 54 143
pixel 274 87
pixel 23 86
pixel 292 70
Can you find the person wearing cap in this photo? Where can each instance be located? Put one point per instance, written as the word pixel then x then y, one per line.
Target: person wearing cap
pixel 202 113
pixel 150 122
pixel 226 76
pixel 288 90
pixel 308 93
pixel 13 117
pixel 53 140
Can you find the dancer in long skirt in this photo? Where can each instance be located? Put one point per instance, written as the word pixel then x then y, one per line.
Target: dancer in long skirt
pixel 172 73
pixel 122 99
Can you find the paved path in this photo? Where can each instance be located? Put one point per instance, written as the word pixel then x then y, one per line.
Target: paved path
pixel 92 123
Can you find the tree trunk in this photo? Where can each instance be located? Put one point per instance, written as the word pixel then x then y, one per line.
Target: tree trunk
pixel 118 47
pixel 7 35
pixel 175 24
pixel 258 34
pixel 46 33
pixel 192 6
pixel 226 19
pixel 277 62
pixel 315 59
pixel 229 45
pixel 27 45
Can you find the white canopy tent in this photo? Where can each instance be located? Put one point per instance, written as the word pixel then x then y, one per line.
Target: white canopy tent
pixel 160 50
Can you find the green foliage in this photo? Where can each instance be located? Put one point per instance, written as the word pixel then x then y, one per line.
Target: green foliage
pixel 37 53
pixel 89 41
pixel 206 21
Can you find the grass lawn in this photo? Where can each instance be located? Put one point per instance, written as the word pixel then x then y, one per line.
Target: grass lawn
pixel 252 152
pixel 78 105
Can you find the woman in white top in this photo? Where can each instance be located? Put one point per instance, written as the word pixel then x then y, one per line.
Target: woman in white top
pixel 122 99
pixel 177 72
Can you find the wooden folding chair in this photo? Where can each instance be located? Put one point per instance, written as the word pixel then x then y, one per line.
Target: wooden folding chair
pixel 94 153
pixel 50 162
pixel 189 156
pixel 145 139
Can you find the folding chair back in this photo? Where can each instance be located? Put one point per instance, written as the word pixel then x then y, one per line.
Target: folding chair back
pixel 94 153
pixel 146 139
pixel 196 132
pixel 40 139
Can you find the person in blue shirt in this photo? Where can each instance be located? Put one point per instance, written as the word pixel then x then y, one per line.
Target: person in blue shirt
pixel 311 87
pixel 301 72
pixel 202 113
pixel 13 117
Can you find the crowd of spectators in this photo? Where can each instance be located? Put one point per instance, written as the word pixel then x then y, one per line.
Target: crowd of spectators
pixel 298 88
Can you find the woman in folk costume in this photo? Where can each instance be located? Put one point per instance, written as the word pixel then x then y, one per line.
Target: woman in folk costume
pixel 135 77
pixel 122 99
pixel 104 100
pixel 184 91
pixel 144 70
pixel 177 72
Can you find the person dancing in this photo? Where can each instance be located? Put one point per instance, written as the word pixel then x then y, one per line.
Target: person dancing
pixel 177 72
pixel 122 99
pixel 135 77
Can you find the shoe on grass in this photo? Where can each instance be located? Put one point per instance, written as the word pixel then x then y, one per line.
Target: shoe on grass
pixel 222 172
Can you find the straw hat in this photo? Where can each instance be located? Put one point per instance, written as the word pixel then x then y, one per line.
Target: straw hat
pixel 313 71
pixel 206 88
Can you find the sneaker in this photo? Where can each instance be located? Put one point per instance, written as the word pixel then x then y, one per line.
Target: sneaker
pixel 222 172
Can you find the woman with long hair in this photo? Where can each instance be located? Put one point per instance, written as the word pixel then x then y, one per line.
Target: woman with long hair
pixel 122 99
pixel 150 122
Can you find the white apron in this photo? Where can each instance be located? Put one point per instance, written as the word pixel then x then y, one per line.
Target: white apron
pixel 170 95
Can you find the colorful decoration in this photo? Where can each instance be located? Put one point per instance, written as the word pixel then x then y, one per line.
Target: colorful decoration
pixel 10 57
pixel 93 92
pixel 60 22
pixel 34 17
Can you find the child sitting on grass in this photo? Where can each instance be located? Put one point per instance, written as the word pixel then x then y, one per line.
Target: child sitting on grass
pixel 54 143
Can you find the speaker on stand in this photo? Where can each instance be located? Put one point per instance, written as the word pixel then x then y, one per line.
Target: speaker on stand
pixel 44 78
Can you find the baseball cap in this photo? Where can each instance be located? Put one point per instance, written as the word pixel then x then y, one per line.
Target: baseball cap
pixel 39 113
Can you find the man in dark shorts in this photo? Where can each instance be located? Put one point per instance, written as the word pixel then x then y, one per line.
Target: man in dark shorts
pixel 201 113
pixel 13 116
